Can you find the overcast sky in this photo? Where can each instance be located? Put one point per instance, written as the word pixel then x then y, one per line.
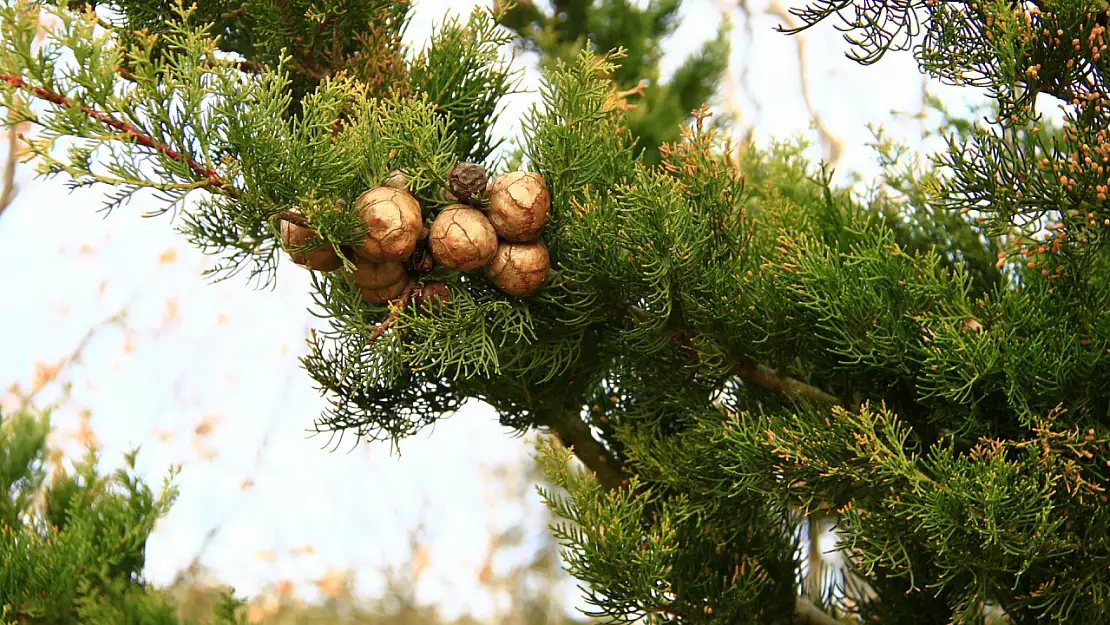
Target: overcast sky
pixel 207 375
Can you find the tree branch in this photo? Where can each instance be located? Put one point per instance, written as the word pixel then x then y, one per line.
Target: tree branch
pixel 768 378
pixel 833 146
pixel 748 370
pixel 7 186
pixel 293 218
pixel 395 309
pixel 807 613
pixel 209 176
pixel 575 434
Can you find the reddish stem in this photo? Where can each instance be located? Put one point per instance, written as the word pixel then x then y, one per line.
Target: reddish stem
pixel 209 175
pixel 400 302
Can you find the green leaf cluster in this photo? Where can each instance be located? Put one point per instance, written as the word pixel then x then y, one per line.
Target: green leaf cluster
pixel 72 546
pixel 657 109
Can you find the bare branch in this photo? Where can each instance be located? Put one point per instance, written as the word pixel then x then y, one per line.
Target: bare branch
pixel 833 146
pixel 7 178
pixel 27 399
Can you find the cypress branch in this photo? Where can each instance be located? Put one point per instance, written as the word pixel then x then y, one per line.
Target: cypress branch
pixel 749 370
pixel 772 380
pixel 576 435
pixel 579 440
pixel 208 176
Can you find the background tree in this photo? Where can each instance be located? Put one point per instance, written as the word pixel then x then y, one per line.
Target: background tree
pixel 745 338
pixel 654 117
pixel 72 548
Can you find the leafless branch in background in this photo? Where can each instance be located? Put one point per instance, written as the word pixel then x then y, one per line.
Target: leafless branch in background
pixel 924 106
pixel 831 146
pixel 194 571
pixel 45 374
pixel 16 147
pixel 736 83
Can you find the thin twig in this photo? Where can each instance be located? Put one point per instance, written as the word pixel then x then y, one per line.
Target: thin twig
pixel 8 190
pixel 210 177
pixel 194 564
pixel 292 217
pixel 26 400
pixel 732 87
pixel 396 306
pixel 814 583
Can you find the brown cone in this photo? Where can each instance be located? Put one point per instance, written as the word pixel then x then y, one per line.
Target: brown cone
pixel 467 181
pixel 321 258
pixel 519 269
pixel 371 275
pixel 394 218
pixel 386 293
pixel 462 238
pixel 518 205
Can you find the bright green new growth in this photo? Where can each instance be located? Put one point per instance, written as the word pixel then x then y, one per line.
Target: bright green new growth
pixel 752 343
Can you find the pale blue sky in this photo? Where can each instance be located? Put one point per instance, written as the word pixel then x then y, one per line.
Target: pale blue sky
pixel 194 351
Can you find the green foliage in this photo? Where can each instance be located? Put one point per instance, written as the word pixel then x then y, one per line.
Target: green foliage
pixel 21 467
pixel 161 127
pixel 312 39
pixel 599 26
pixel 461 71
pixel 72 549
pixel 752 343
pixel 634 568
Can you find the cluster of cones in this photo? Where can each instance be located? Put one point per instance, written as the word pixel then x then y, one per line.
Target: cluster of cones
pixel 494 227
